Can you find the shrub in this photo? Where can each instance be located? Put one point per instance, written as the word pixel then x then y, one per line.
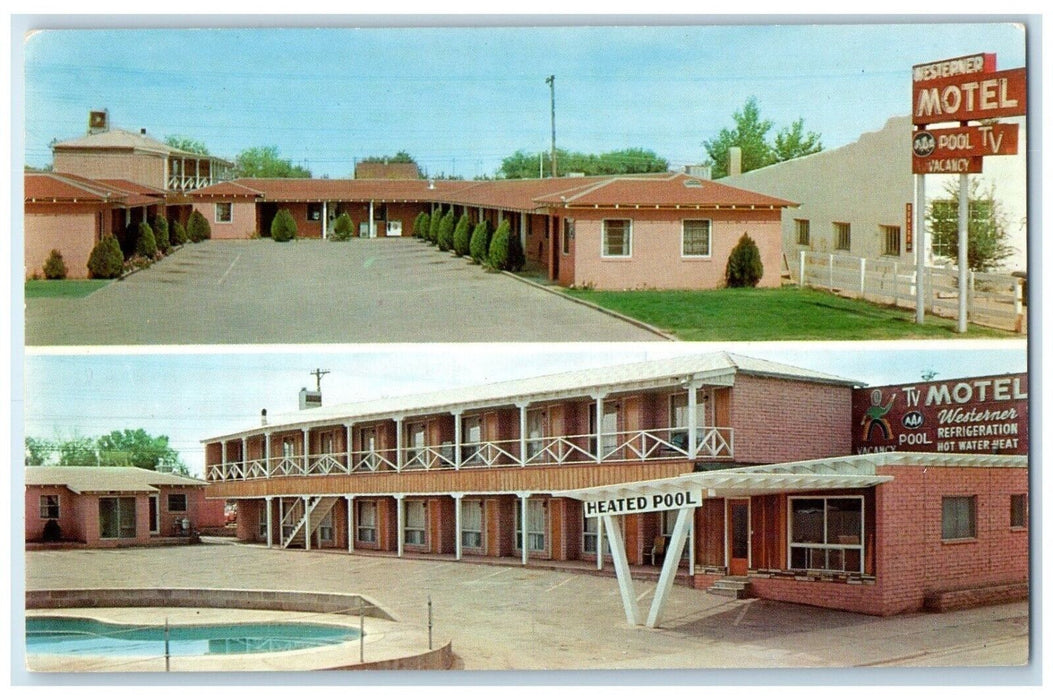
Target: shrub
pixel 55 266
pixel 179 236
pixel 197 228
pixel 160 227
pixel 446 226
pixel 479 246
pixel 462 236
pixel 420 224
pixel 106 260
pixel 342 228
pixel 506 253
pixel 744 264
pixel 433 226
pixel 283 228
pixel 146 244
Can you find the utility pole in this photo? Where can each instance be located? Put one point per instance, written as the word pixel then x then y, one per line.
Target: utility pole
pixel 318 374
pixel 551 80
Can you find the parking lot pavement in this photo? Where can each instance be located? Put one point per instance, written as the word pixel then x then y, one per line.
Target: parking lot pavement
pixel 313 291
pixel 515 618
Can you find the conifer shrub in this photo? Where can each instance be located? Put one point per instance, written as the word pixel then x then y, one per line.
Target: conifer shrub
pixel 446 227
pixel 161 234
pixel 146 244
pixel 343 227
pixel 420 224
pixel 179 236
pixel 462 236
pixel 106 260
pixel 197 227
pixel 55 266
pixel 283 228
pixel 506 253
pixel 433 226
pixel 744 267
pixel 479 245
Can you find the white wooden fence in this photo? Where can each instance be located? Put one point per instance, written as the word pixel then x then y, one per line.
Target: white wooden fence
pixel 995 300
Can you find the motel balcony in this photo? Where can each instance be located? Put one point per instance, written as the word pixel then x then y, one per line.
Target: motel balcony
pixel 644 445
pixel 187 173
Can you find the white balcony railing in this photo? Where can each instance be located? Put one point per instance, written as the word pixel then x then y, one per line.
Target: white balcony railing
pixel 627 446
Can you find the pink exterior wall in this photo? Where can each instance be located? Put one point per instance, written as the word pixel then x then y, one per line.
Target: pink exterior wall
pixel 779 420
pixel 656 261
pixel 243 223
pixel 71 229
pixel 143 168
pixel 68 518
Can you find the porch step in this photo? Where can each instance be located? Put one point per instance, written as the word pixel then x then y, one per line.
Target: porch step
pixel 737 587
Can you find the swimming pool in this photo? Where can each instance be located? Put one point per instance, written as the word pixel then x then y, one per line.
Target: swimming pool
pixel 80 636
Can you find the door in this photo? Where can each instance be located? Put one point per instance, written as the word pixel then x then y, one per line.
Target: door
pixel 155 516
pixel 394 229
pixel 738 536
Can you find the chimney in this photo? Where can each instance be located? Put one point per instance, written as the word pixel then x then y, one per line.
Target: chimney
pixel 142 132
pixel 734 161
pixel 263 418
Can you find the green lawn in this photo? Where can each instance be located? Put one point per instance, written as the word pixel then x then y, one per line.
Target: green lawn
pixel 786 313
pixel 69 289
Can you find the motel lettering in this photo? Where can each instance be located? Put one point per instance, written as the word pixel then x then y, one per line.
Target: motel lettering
pixel 643 504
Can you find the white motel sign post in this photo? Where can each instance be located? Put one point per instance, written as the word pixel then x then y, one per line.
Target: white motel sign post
pixel 960 90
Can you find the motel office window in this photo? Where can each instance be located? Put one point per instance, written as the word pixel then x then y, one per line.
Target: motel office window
pixel 803 229
pixel 694 238
pixel 826 534
pixel 224 212
pixel 177 502
pixel 842 236
pixel 890 240
pixel 414 526
pixel 116 518
pixel 314 211
pixel 49 507
pixel 366 521
pixel 1018 510
pixel 472 524
pixel 959 517
pixel 617 238
pixel 536 525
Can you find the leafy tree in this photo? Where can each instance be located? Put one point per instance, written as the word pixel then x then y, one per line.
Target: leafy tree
pixel 137 448
pixel 106 260
pixel 283 227
pixel 751 135
pixel 506 252
pixel 197 227
pixel 400 157
pixel 479 246
pixel 988 236
pixel 792 142
pixel 523 165
pixel 146 244
pixel 78 452
pixel 160 227
pixel 744 268
pixel 446 226
pixel 462 236
pixel 343 227
pixel 265 162
pixel 38 452
pixel 179 235
pixel 55 266
pixel 185 143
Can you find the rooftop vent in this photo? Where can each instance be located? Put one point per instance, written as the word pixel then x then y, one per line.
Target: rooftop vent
pixel 98 121
pixel 692 183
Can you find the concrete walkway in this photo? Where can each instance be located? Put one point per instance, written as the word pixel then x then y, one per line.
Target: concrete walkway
pixel 313 291
pixel 510 617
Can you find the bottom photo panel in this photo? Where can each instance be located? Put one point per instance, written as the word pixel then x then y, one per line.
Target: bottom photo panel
pixel 514 507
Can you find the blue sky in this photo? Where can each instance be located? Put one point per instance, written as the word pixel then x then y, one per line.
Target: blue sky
pixel 191 395
pixel 461 98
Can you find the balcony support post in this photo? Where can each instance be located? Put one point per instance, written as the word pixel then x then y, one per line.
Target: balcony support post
pixel 457 439
pixel 350 524
pixel 400 519
pixel 270 521
pixel 692 419
pixel 399 447
pixel 457 523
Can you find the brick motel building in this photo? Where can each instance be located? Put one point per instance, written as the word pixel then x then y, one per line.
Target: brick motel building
pixel 726 471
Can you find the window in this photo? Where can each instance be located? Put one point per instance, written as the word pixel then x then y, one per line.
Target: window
pixel 177 502
pixel 471 439
pixel 842 236
pixel 826 534
pixel 369 447
pixel 325 528
pixel 224 212
pixel 261 521
pixel 366 521
pixel 959 517
pixel 590 534
pixel 694 238
pixel 314 211
pixel 609 438
pixel 890 238
pixel 568 235
pixel 116 518
pixel 288 448
pixel 678 418
pixel 617 238
pixel 536 525
pixel 415 455
pixel 803 228
pixel 414 527
pixel 49 507
pixel 472 524
pixel 1018 510
pixel 535 433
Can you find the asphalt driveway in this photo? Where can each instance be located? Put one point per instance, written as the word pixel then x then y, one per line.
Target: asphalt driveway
pixel 312 291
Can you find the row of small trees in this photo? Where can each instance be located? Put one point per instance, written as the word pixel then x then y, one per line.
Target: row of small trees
pixel 498 249
pixel 154 240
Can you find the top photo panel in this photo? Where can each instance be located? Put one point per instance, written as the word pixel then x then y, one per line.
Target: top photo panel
pixel 511 183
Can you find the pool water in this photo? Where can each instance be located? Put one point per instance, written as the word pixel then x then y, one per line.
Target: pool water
pixel 84 636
